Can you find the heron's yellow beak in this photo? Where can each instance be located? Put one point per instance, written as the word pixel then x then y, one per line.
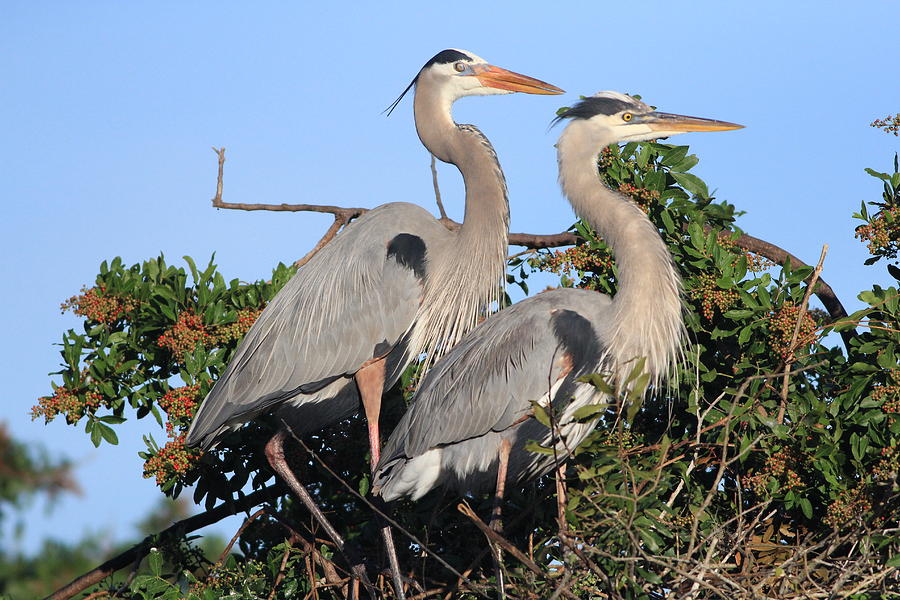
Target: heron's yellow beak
pixel 660 121
pixel 502 79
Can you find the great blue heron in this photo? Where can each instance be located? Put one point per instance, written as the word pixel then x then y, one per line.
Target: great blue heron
pixel 472 415
pixel 395 283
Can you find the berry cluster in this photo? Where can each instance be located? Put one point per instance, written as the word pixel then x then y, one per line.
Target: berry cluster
pixel 781 330
pixel 606 158
pixel 189 330
pixel 755 262
pixel 172 461
pixel 711 296
pixel 890 396
pixel 579 258
pixel 180 404
pixel 175 459
pixel 882 233
pixel 66 402
pixel 643 197
pixel 96 305
pixel 888 465
pixel 851 504
pixel 235 331
pixel 622 440
pixel 781 467
pixel 184 336
pixel 890 124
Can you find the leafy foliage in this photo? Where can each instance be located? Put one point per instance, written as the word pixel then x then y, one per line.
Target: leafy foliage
pixel 769 468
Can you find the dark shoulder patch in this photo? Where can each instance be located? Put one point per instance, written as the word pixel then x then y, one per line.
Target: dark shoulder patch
pixel 577 338
pixel 408 250
pixel 447 56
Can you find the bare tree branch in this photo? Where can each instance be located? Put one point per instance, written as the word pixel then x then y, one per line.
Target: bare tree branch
pixel 343 215
pixel 437 189
pixel 173 532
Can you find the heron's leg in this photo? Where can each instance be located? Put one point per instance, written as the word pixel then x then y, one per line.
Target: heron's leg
pixel 370 381
pixel 276 458
pixel 496 514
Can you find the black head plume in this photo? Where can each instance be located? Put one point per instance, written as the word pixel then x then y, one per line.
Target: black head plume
pixel 441 58
pixel 605 103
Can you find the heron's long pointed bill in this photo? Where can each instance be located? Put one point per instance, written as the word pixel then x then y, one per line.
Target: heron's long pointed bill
pixel 502 79
pixel 667 122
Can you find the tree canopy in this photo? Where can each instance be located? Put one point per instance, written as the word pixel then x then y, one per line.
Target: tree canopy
pixel 768 470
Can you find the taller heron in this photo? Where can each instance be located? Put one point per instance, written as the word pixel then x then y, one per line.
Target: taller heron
pixel 472 414
pixel 394 284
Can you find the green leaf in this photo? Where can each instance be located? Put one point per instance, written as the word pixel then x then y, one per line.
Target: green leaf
pixel 108 434
pixel 585 412
pixel 540 414
pixel 738 314
pixel 675 155
pixel 806 507
pixel 533 446
pixel 96 434
pixel 874 173
pixel 598 381
pixel 692 184
pixel 155 561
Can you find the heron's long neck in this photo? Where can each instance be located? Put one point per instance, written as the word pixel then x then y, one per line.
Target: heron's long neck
pixel 647 307
pixel 465 279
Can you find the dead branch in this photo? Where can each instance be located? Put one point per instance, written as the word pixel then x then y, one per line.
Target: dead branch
pixel 175 531
pixel 437 189
pixel 343 216
pixel 498 539
pixel 376 510
pixel 238 534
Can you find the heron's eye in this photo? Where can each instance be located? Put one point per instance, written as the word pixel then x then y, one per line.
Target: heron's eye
pixel 460 67
pixel 627 117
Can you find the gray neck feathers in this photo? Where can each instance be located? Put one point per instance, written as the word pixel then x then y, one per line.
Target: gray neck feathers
pixel 466 278
pixel 646 312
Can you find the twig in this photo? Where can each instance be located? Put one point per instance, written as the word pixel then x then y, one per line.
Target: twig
pixel 800 314
pixel 238 534
pixel 393 523
pixel 175 531
pixel 329 235
pixel 331 574
pixel 437 190
pixel 282 570
pixel 498 539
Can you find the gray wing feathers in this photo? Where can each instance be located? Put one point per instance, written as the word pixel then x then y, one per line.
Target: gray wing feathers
pixel 488 381
pixel 485 383
pixel 325 323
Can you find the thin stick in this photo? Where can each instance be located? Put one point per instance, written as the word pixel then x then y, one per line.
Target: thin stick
pixel 793 346
pixel 437 190
pixel 282 570
pixel 381 513
pixel 329 235
pixel 498 539
pixel 238 534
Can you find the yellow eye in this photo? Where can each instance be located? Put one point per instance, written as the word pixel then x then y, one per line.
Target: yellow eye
pixel 627 117
pixel 460 67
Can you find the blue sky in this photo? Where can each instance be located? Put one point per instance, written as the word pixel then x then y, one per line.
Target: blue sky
pixel 108 111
